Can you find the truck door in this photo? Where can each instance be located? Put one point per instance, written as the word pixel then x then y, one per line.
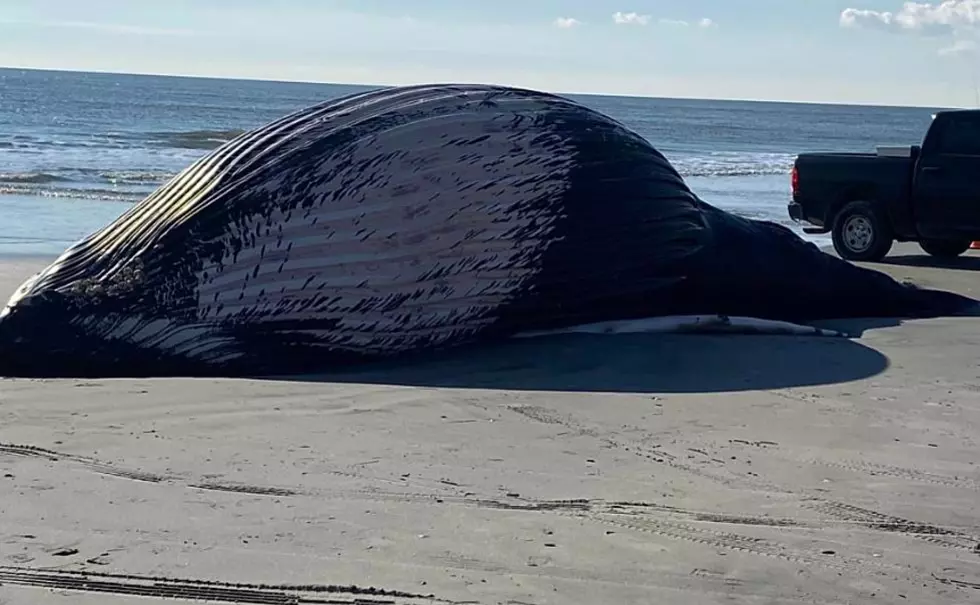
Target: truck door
pixel 946 194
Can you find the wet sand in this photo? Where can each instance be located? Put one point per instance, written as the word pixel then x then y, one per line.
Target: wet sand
pixel 573 470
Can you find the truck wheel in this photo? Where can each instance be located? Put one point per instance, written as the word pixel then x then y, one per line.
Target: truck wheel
pixel 861 233
pixel 944 248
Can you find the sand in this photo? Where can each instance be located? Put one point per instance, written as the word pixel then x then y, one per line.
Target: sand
pixel 576 470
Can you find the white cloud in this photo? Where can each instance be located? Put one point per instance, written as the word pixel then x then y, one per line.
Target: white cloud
pixel 620 18
pixel 702 23
pixel 859 17
pixel 940 17
pixel 958 21
pixel 566 22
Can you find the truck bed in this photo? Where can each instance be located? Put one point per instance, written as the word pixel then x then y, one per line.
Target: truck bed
pixel 827 180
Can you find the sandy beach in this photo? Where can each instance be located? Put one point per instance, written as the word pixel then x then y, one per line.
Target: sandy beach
pixel 582 469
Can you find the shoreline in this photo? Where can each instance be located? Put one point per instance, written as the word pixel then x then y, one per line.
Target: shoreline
pixel 38 226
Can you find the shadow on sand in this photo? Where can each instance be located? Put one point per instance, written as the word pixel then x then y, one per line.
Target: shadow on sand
pixel 961 263
pixel 634 363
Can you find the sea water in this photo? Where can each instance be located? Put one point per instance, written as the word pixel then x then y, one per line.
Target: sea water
pixel 77 149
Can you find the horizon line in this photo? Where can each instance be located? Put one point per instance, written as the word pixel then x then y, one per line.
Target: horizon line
pixel 380 85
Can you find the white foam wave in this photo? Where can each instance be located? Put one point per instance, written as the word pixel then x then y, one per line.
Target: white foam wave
pixel 69 193
pixel 733 164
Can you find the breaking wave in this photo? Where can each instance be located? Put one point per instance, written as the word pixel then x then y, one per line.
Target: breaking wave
pixel 30 177
pixel 733 164
pixel 69 193
pixel 137 177
pixel 194 139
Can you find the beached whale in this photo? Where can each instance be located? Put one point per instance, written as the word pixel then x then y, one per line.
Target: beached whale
pixel 417 218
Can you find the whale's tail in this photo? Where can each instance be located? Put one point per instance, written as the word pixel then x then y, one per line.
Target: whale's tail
pixel 763 269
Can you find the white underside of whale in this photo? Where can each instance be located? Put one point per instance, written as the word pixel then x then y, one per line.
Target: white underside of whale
pixel 704 324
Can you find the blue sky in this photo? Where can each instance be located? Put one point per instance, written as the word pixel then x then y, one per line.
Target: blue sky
pixel 851 51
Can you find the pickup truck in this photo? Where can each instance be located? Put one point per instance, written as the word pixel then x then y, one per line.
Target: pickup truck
pixel 928 193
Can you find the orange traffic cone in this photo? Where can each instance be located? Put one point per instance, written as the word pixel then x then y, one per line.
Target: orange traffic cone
pixel 975 246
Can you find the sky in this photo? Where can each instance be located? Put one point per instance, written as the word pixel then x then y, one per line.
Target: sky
pixel 840 51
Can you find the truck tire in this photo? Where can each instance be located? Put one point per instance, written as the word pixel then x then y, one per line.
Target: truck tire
pixel 862 233
pixel 943 248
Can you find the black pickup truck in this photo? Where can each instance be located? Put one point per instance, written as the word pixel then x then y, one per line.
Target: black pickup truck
pixel 928 194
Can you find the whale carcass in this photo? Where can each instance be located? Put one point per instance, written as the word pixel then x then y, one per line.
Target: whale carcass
pixel 409 219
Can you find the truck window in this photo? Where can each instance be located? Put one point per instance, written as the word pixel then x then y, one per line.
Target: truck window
pixel 961 136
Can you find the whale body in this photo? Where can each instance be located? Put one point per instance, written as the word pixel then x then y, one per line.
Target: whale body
pixel 410 219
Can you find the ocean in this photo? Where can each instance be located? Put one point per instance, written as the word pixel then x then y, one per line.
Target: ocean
pixel 77 149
